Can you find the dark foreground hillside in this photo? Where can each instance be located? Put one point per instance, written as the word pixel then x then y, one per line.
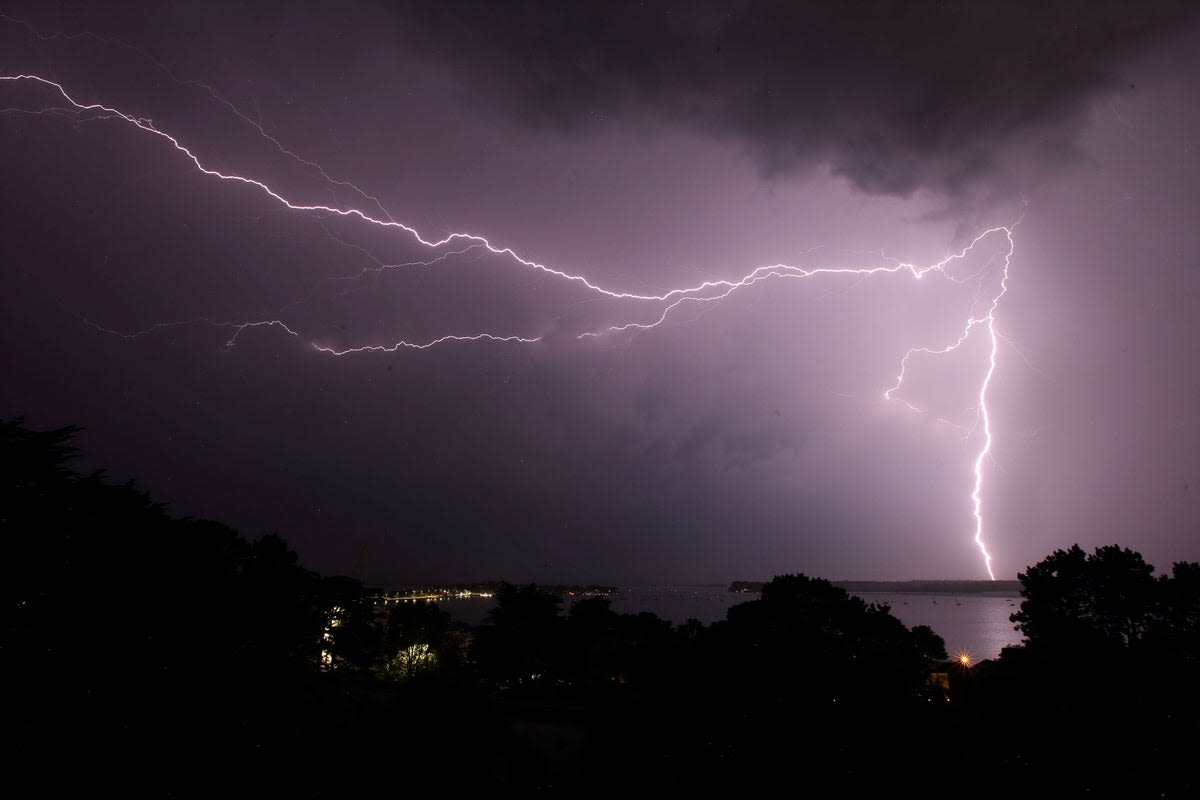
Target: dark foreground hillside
pixel 154 656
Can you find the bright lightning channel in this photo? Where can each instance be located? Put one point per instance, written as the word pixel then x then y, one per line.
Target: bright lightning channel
pixel 705 292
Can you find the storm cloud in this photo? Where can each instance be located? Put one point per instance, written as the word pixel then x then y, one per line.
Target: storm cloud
pixel 955 98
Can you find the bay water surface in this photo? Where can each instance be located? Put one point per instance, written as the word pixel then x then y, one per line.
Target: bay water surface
pixel 977 624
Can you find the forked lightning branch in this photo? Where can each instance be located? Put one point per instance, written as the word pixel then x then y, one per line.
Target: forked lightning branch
pixel 646 311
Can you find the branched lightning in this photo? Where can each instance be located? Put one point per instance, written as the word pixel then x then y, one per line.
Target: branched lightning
pixel 661 305
pixel 988 323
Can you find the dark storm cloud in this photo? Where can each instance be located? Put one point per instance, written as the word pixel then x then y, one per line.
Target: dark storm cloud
pixel 894 96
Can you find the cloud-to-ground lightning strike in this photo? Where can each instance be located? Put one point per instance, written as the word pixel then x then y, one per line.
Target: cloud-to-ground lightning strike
pixel 664 303
pixel 988 323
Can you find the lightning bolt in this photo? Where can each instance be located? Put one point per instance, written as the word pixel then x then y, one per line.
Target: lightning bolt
pixel 663 303
pixel 988 323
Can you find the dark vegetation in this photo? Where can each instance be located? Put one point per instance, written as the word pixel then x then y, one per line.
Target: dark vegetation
pixel 154 656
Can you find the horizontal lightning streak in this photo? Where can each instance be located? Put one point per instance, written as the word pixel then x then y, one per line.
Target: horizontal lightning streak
pixel 378 348
pixel 708 291
pixel 147 126
pixel 238 328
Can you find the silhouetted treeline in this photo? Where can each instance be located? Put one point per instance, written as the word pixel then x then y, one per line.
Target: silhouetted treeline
pixel 157 656
pixel 1103 697
pixel 166 657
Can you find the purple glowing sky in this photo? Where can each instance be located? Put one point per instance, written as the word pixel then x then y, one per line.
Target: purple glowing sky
pixel 645 150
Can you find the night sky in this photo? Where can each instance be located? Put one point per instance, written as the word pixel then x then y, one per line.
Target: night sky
pixel 645 147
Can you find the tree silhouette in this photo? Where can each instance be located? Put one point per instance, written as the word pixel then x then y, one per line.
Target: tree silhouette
pixel 516 644
pixel 1103 687
pixel 130 637
pixel 127 631
pixel 1087 602
pixel 1176 632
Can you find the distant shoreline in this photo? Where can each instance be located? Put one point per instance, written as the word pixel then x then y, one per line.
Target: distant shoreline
pixel 926 587
pixel 999 588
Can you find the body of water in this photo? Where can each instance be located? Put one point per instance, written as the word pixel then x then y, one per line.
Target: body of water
pixel 969 623
pixel 974 624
